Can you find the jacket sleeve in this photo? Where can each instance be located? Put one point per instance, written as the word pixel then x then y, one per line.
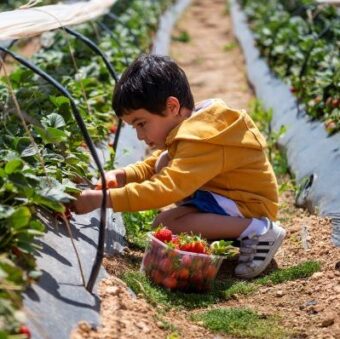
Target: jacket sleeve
pixel 193 165
pixel 142 170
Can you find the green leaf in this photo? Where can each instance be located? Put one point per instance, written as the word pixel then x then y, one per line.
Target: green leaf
pixel 37 225
pixel 53 120
pixel 59 101
pixel 13 166
pixel 51 204
pixel 51 135
pixel 20 218
pixel 29 151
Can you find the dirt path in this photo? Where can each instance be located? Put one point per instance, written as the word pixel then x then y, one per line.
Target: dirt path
pixel 211 59
pixel 311 307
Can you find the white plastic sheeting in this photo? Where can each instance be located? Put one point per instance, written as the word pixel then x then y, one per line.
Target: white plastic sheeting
pixel 24 23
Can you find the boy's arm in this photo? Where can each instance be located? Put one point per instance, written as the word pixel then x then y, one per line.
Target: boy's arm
pixel 142 170
pixel 192 167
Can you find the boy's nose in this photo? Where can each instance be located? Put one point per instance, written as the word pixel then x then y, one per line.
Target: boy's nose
pixel 140 136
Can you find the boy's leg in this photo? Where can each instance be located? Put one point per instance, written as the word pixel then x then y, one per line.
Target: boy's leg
pixel 210 226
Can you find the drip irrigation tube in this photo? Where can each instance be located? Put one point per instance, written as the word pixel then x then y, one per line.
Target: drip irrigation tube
pixel 100 248
pixel 95 48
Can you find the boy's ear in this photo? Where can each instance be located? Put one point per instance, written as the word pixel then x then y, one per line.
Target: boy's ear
pixel 172 105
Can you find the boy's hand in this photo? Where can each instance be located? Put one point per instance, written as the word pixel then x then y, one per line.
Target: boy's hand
pixel 114 179
pixel 89 201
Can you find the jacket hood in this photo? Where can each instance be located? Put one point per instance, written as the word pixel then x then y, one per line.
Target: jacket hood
pixel 214 122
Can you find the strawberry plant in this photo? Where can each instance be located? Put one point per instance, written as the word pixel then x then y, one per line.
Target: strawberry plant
pixel 43 156
pixel 300 40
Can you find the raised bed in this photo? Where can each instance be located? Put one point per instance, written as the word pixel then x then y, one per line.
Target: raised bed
pixel 59 300
pixel 313 155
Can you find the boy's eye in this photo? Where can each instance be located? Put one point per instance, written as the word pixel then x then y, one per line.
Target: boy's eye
pixel 141 124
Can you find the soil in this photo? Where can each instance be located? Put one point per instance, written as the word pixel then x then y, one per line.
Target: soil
pixel 309 307
pixel 26 48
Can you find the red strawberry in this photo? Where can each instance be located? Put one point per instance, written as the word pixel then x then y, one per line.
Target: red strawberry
pixel 175 242
pixel 199 247
pixel 111 182
pixel 170 282
pixel 163 234
pixel 157 276
pixel 186 260
pixel 25 330
pixel 165 265
pixel 183 273
pixel 113 129
pixel 210 272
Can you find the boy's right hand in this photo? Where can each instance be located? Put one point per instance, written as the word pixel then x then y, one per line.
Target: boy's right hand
pixel 114 179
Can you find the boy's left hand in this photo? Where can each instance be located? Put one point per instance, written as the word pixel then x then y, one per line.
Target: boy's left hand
pixel 88 201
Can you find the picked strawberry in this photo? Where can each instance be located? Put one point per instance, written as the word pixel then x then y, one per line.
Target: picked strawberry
pixel 174 243
pixel 25 331
pixel 169 282
pixel 200 247
pixel 111 182
pixel 163 234
pixel 193 243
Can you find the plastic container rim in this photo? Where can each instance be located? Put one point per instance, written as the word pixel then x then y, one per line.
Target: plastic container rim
pixel 220 257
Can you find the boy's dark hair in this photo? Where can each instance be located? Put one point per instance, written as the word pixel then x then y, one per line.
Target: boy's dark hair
pixel 148 82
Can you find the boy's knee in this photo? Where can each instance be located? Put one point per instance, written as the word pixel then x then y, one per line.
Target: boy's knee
pixel 162 161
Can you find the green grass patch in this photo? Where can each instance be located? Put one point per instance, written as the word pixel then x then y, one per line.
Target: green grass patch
pixel 183 36
pixel 300 271
pixel 221 290
pixel 156 295
pixel 239 287
pixel 241 322
pixel 229 46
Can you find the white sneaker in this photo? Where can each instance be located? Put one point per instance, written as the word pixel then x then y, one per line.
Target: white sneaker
pixel 257 251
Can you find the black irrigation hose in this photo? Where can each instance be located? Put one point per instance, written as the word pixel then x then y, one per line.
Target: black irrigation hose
pixel 100 249
pixel 95 48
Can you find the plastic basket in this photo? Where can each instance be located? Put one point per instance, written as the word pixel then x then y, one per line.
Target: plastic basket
pixel 176 269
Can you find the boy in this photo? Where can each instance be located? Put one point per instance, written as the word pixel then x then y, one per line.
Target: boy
pixel 210 160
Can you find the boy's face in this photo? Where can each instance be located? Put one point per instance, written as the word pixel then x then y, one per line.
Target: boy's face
pixel 151 128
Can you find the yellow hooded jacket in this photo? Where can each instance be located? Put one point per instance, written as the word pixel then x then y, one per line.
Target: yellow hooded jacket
pixel 216 149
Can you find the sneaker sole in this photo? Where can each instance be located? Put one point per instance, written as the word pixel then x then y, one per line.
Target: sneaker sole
pixel 268 259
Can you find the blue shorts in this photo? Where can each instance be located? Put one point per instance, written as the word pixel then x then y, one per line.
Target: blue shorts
pixel 205 202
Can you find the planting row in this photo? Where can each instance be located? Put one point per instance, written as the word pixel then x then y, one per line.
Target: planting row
pixel 300 40
pixel 43 154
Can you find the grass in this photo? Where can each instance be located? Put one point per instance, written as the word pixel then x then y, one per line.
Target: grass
pixel 156 295
pixel 229 46
pixel 183 36
pixel 300 271
pixel 222 290
pixel 241 322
